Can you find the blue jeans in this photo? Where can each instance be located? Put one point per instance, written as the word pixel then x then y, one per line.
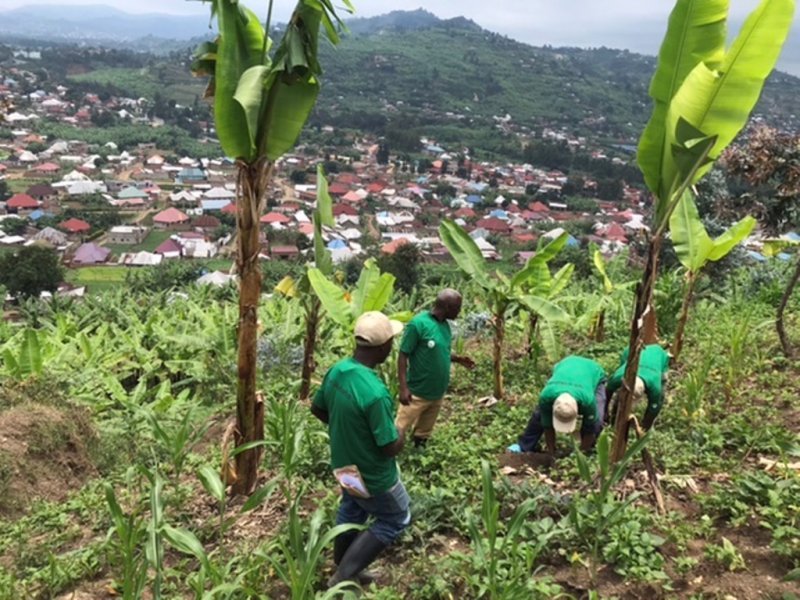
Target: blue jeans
pixel 389 511
pixel 529 440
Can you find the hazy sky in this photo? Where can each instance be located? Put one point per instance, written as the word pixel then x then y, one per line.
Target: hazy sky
pixel 634 24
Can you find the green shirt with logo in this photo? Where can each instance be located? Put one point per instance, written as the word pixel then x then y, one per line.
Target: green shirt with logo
pixel 578 377
pixel 653 365
pixel 360 421
pixel 426 342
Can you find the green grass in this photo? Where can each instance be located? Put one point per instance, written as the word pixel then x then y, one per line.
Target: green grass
pixel 97 279
pixel 169 80
pixel 18 186
pixel 219 264
pixel 153 240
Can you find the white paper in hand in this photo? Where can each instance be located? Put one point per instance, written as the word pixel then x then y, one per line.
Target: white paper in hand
pixel 350 479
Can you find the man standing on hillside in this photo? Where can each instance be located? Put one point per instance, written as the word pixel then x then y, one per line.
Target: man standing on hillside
pixel 423 368
pixel 357 407
pixel 650 379
pixel 577 387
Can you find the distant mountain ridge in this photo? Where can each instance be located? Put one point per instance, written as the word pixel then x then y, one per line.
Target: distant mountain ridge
pixel 410 71
pixel 406 20
pixel 105 23
pixel 97 22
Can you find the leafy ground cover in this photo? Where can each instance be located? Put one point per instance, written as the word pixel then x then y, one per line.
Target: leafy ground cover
pixel 124 400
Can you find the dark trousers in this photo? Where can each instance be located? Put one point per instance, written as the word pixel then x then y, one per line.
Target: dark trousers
pixel 529 440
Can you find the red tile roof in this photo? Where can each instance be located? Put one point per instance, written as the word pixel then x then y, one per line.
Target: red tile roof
pixel 285 250
pixel 391 247
pixel 465 213
pixel 170 216
pixel 274 217
pixel 344 209
pixel 538 207
pixel 22 201
pixel 494 224
pixel 338 189
pixel 168 246
pixel 46 168
pixel 206 222
pixel 75 226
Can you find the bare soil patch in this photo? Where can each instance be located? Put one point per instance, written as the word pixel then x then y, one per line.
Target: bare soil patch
pixel 44 454
pixel 522 461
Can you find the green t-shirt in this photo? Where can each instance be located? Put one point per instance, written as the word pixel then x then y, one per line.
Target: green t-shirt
pixel 426 342
pixel 653 365
pixel 578 377
pixel 360 421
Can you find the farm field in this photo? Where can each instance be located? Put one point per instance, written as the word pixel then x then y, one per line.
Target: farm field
pixel 105 430
pixel 97 278
pixel 165 440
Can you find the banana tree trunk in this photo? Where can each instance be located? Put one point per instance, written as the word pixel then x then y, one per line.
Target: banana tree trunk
pixel 785 343
pixel 677 345
pixel 598 332
pixel 499 335
pixel 312 322
pixel 533 323
pixel 251 191
pixel 639 323
pixel 650 329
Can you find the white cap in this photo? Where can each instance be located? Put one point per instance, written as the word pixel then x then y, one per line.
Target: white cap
pixel 374 328
pixel 638 389
pixel 565 413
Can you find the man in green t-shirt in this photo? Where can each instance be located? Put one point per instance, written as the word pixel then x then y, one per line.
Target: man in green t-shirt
pixel 576 388
pixel 357 407
pixel 650 380
pixel 423 368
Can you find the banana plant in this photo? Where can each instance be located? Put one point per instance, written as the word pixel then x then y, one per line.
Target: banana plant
pixel 312 307
pixel 772 248
pixel 702 97
pixel 27 361
pixel 548 286
pixel 695 249
pixel 261 102
pixel 373 291
pixel 504 295
pixel 612 296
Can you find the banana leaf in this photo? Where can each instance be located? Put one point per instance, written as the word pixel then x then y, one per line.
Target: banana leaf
pixel 465 252
pixel 696 33
pixel 332 297
pixel 692 243
pixel 240 47
pixel 718 101
pixel 373 289
pixel 600 265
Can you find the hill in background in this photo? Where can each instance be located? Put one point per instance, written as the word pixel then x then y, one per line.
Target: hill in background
pixel 411 73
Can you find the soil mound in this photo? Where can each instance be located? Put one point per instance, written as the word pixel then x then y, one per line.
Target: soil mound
pixel 44 454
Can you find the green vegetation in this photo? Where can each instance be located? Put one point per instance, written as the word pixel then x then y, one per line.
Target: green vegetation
pixel 31 270
pixel 121 403
pixel 128 357
pixel 98 278
pixel 146 82
pixel 155 237
pixel 129 136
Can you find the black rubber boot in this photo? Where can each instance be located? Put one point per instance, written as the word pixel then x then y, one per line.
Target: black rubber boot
pixel 341 543
pixel 420 442
pixel 361 553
